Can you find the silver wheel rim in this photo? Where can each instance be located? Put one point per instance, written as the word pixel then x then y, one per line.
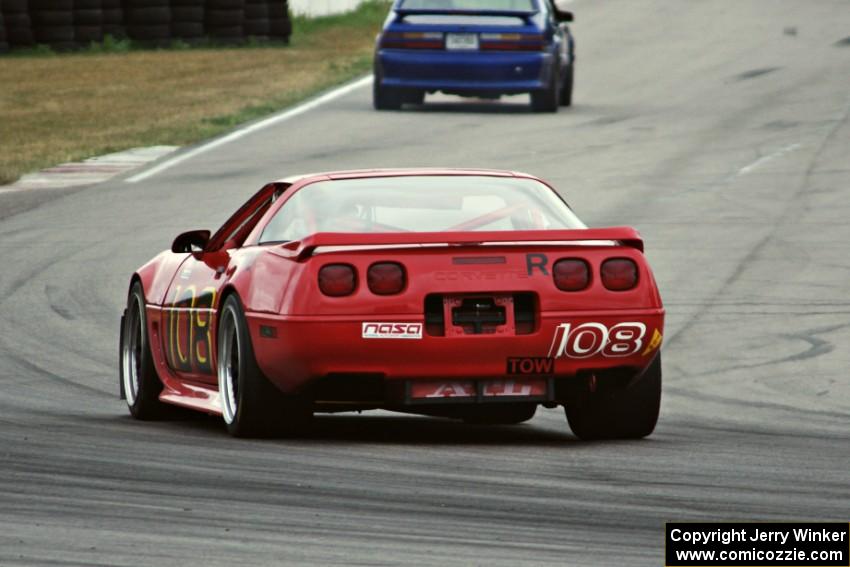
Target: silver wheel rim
pixel 131 353
pixel 228 364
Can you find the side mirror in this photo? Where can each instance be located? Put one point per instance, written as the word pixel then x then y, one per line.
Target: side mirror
pixel 192 241
pixel 563 15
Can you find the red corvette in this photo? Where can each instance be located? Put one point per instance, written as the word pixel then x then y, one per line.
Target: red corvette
pixel 469 294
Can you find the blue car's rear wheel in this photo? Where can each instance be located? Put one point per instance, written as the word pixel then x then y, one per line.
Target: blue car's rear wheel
pixel 385 98
pixel 547 100
pixel 567 88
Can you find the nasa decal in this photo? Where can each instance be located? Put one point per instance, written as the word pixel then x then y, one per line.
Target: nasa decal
pixel 381 330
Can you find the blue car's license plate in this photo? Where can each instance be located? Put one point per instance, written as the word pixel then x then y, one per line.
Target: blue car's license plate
pixel 459 41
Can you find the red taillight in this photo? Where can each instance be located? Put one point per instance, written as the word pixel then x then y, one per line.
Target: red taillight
pixel 571 274
pixel 385 278
pixel 619 274
pixel 412 40
pixel 337 280
pixel 512 42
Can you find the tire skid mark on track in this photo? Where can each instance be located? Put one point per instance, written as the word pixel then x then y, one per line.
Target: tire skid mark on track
pixel 788 212
pixel 33 368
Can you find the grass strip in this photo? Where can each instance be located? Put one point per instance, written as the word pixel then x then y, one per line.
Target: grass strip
pixel 66 107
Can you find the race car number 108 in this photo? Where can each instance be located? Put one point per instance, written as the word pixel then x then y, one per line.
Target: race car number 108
pixel 588 339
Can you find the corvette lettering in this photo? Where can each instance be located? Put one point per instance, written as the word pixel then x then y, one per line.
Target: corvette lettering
pixel 589 339
pixel 392 330
pixel 457 275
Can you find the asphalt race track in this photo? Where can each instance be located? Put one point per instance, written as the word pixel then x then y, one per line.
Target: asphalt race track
pixel 719 129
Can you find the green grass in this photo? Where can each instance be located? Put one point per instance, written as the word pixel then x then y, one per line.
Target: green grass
pixel 118 95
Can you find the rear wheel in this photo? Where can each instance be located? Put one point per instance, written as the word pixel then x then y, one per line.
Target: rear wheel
pixel 385 98
pixel 567 88
pixel 251 405
pixel 629 413
pixel 414 97
pixel 546 100
pixel 139 382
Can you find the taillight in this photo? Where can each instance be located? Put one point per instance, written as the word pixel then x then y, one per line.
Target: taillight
pixel 619 274
pixel 337 280
pixel 412 40
pixel 571 274
pixel 512 42
pixel 385 278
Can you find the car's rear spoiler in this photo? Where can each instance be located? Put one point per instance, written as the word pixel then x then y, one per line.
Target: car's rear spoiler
pixel 303 249
pixel 525 15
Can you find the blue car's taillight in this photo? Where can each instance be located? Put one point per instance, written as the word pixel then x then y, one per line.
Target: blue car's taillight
pixel 512 42
pixel 412 40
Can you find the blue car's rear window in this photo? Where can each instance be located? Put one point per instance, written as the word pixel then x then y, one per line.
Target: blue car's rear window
pixel 448 5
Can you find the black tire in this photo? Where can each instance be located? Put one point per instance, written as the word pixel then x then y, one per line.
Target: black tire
pixel 567 88
pixel 385 98
pixel 230 36
pixel 256 28
pixel 193 14
pixel 15 7
pixel 224 18
pixel 88 18
pixel 501 414
pixel 256 11
pixel 629 413
pixel 154 16
pixel 19 36
pixel 51 5
pixel 251 405
pixel 139 381
pixel 115 31
pixel 227 5
pixel 187 30
pixel 52 19
pixel 547 99
pixel 113 17
pixel 88 34
pixel 129 5
pixel 155 33
pixel 58 36
pixel 414 97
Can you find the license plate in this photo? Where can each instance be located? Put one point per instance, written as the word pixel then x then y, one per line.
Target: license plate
pixel 522 388
pixel 462 41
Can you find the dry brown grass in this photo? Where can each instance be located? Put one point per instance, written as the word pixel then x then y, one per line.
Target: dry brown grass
pixel 68 107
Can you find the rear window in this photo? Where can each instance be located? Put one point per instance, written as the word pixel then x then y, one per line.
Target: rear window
pixel 512 5
pixel 419 204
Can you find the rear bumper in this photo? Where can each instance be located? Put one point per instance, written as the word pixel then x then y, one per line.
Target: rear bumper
pixel 295 351
pixel 458 72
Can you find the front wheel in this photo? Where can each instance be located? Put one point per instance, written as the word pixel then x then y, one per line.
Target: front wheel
pixel 140 384
pixel 629 413
pixel 250 405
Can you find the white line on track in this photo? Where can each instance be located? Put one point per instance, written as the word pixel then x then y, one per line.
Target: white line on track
pixel 251 128
pixel 764 159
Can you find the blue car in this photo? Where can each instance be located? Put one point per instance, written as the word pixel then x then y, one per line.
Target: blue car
pixel 478 48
